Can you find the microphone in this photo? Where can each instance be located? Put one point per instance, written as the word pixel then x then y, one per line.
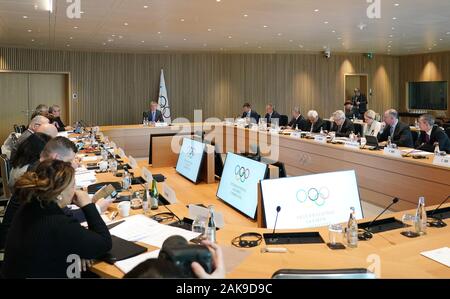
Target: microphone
pixel 276 220
pixel 367 234
pixel 412 151
pixel 437 222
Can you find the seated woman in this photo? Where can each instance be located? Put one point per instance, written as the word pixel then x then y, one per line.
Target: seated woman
pixel 27 154
pixel 373 127
pixel 42 237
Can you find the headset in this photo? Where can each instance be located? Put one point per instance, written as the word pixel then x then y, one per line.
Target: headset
pixel 247 240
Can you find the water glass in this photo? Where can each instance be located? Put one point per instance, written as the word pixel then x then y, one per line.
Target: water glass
pixel 113 166
pixel 410 223
pixel 199 225
pixel 335 232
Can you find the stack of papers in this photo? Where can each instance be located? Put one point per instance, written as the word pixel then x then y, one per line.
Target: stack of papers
pixel 140 228
pixel 84 177
pixel 90 159
pixel 129 264
pixel 441 255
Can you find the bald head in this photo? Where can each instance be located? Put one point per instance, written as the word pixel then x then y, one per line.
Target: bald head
pixel 48 129
pixel 38 121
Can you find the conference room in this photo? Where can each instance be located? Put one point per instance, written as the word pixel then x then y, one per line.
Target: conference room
pixel 273 140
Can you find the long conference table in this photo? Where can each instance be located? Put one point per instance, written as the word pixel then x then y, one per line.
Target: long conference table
pixel 389 253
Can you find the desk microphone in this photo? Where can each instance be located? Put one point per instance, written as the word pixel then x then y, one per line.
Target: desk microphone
pixel 437 222
pixel 412 151
pixel 276 220
pixel 367 234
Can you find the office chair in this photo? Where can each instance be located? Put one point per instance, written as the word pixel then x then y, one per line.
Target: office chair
pixel 358 129
pixel 327 125
pixel 4 170
pixel 357 273
pixel 447 131
pixel 284 120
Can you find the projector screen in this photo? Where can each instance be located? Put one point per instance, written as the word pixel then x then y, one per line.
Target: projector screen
pixel 311 201
pixel 239 184
pixel 190 159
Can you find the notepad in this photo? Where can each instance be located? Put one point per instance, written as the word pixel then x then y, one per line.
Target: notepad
pixel 441 255
pixel 129 264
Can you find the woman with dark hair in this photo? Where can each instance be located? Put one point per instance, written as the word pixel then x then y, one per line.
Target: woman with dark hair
pixel 42 241
pixel 28 153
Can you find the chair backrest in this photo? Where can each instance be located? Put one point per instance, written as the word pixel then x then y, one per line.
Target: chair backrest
pixel 357 273
pixel 4 170
pixel 358 129
pixel 284 120
pixel 327 125
pixel 447 130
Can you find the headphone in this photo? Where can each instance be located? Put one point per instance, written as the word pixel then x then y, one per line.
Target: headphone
pixel 243 241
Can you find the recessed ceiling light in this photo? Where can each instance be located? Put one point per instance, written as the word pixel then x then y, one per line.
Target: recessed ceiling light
pixel 75 27
pixel 81 12
pixel 166 46
pixel 246 15
pixel 316 10
pixel 397 4
pixel 120 36
pixel 110 40
pixel 394 18
pixel 429 49
pixel 339 38
pixel 71 37
pixel 441 39
pixel 209 29
pixel 67 45
pixel 217 0
pixel 29 30
pixel 391 35
pixel 280 34
pixel 113 35
pixel 334 31
pixel 104 44
pixel 393 28
pixel 301 46
pixel 246 43
pixel 159 32
pixel 326 22
pixel 448 33
pixel 184 38
pixel 259 47
pixel 290 40
pixel 32 40
pixel 25 17
pixel 265 26
pixel 145 6
pixel 229 36
pixel 182 20
pixel 125 24
pixel 204 45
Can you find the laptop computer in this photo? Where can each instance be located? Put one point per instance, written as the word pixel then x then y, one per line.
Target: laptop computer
pixel 372 142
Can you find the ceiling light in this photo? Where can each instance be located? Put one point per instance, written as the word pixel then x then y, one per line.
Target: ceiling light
pixel 290 40
pixel 67 45
pixel 448 33
pixel 32 40
pixel 246 15
pixel 29 30
pixel 71 37
pixel 145 6
pixel 185 39
pixel 159 32
pixel 326 22
pixel 142 41
pixel 75 27
pixel 25 17
pixel 209 29
pixel 182 20
pixel 316 10
pixel 394 18
pixel 125 24
pixel 334 31
pixel 280 34
pixel 393 28
pixel 49 6
pixel 229 36
pixel 301 46
pixel 265 26
pixel 397 4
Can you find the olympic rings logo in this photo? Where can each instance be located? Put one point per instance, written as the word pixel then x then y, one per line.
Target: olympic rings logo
pixel 242 173
pixel 190 153
pixel 318 196
pixel 164 107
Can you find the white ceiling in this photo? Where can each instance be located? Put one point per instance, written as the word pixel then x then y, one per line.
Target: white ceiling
pixel 234 25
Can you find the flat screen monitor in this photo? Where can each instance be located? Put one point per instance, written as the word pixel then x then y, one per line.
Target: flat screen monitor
pixel 239 184
pixel 190 159
pixel 311 201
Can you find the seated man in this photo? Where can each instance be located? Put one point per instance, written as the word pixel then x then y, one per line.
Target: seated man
pixel 271 114
pixel 351 112
pixel 154 115
pixel 34 125
pixel 399 132
pixel 341 125
pixel 41 110
pixel 55 111
pixel 430 135
pixel 297 121
pixel 314 123
pixel 248 112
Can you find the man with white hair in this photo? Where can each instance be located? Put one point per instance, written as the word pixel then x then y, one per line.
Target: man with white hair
pixel 297 121
pixel 314 123
pixel 341 125
pixel 33 127
pixel 399 132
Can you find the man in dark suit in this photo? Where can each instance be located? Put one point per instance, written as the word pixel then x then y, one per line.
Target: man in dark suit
pixel 359 101
pixel 297 121
pixel 399 132
pixel 430 135
pixel 314 123
pixel 351 111
pixel 154 115
pixel 341 125
pixel 248 112
pixel 271 114
pixel 55 111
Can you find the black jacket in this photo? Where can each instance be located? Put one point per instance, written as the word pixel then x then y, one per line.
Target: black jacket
pixel 362 99
pixel 158 116
pixel 41 239
pixel 300 123
pixel 253 116
pixel 402 135
pixel 59 124
pixel 346 129
pixel 437 135
pixel 275 115
pixel 318 125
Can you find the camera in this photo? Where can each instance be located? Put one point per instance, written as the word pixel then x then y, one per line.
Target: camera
pixel 177 251
pixel 327 53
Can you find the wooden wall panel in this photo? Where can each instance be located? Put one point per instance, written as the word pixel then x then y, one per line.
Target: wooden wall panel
pixel 115 88
pixel 423 67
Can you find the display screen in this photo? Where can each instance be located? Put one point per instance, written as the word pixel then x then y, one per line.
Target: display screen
pixel 311 201
pixel 190 159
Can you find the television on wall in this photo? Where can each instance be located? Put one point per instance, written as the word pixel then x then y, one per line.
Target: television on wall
pixel 430 95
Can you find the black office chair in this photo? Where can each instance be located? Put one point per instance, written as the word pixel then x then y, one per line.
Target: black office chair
pixel 284 120
pixel 327 125
pixel 5 169
pixel 447 131
pixel 358 129
pixel 324 274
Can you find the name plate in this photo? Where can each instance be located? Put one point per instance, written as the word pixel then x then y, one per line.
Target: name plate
pixel 197 211
pixel 442 161
pixel 274 131
pixel 161 125
pixel 352 145
pixel 169 194
pixel 296 134
pixel 320 139
pixel 146 175
pixel 133 162
pixel 393 152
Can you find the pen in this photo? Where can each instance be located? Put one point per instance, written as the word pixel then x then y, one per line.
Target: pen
pixel 113 215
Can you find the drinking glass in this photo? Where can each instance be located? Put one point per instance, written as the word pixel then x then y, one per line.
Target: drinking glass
pixel 199 226
pixel 409 222
pixel 336 235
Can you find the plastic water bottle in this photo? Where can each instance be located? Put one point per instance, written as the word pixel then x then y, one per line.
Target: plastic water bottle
pixel 104 154
pixel 437 149
pixel 421 217
pixel 321 131
pixel 126 182
pixel 145 198
pixel 352 230
pixel 389 142
pixel 211 229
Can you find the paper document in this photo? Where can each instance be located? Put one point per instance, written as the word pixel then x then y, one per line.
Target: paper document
pixel 90 159
pixel 441 255
pixel 63 134
pixel 84 177
pixel 129 264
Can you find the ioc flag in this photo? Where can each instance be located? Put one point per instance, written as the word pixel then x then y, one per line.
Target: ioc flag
pixel 164 100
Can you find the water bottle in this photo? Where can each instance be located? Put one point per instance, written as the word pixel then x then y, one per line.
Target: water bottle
pixel 421 217
pixel 113 166
pixel 145 198
pixel 389 142
pixel 321 131
pixel 126 182
pixel 211 229
pixel 352 230
pixel 104 155
pixel 154 196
